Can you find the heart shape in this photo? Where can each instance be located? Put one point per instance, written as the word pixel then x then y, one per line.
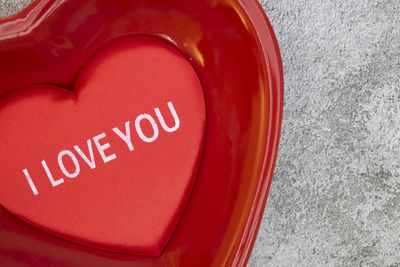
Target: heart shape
pixel 239 66
pixel 112 163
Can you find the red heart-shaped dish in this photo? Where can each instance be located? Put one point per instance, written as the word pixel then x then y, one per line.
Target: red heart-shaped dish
pixel 139 128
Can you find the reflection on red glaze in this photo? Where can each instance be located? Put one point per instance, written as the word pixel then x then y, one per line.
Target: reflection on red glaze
pixel 232 47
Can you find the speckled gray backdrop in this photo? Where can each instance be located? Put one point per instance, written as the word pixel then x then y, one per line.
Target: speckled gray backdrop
pixel 336 192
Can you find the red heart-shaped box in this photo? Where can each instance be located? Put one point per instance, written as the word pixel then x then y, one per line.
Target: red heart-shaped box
pixel 202 204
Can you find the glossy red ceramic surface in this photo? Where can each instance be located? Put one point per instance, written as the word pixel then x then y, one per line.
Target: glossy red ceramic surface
pixel 231 46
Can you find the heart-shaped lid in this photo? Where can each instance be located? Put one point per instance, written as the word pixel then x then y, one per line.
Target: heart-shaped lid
pixel 112 163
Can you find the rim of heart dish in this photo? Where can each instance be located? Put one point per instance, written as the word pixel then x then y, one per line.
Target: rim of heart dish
pixel 273 60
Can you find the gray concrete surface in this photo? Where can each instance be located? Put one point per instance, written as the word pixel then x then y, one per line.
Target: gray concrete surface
pixel 335 198
pixel 10 7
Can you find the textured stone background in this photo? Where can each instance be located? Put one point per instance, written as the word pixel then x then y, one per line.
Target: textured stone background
pixel 335 198
pixel 336 192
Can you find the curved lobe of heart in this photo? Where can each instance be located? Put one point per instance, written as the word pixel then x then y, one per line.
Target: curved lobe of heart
pixel 111 164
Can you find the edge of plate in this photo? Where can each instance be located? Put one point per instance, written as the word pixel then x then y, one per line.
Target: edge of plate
pixel 273 61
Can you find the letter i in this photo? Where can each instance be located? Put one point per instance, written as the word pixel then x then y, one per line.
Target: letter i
pixel 30 182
